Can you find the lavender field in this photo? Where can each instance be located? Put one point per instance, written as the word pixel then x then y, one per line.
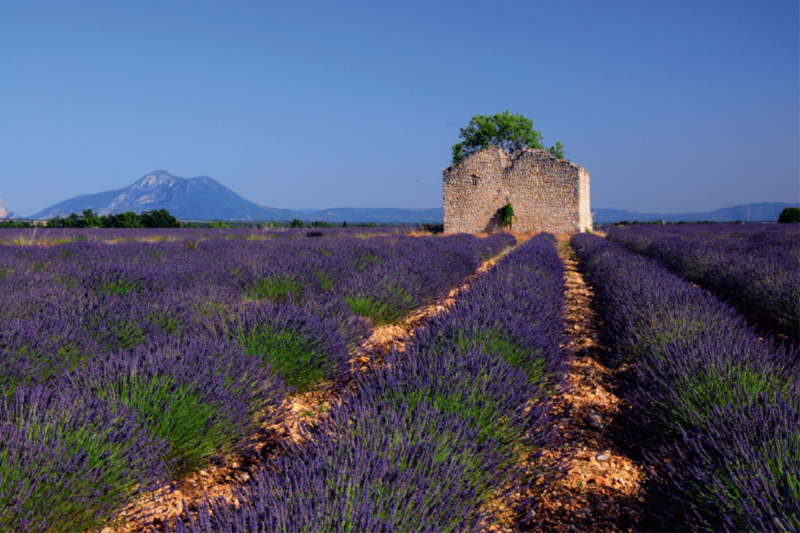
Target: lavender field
pixel 134 359
pixel 130 364
pixel 25 236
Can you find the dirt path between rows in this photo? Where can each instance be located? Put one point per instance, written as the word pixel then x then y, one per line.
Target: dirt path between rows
pixel 300 411
pixel 601 491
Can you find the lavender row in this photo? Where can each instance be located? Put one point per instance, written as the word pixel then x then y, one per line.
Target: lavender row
pixel 756 267
pixel 434 433
pixel 381 278
pixel 64 305
pixel 185 368
pixel 76 450
pixel 719 405
pixel 24 236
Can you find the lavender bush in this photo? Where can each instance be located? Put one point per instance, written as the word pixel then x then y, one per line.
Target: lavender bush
pixel 301 347
pixel 756 267
pixel 689 380
pixel 36 349
pixel 704 380
pixel 481 389
pixel 70 462
pixel 516 313
pixel 203 398
pixel 159 331
pixel 423 444
pixel 392 469
pixel 743 473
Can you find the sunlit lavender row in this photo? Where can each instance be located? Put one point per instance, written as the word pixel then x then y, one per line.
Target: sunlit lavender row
pixel 436 433
pixel 127 365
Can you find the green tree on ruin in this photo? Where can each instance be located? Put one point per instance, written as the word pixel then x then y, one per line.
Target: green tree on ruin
pixel 510 132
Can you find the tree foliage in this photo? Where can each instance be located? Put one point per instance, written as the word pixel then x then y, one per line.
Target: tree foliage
pixel 159 219
pixel 12 223
pixel 219 224
pixel 89 219
pixel 790 214
pixel 510 132
pixel 507 216
pixel 557 150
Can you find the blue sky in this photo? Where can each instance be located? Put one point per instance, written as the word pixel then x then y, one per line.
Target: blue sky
pixel 671 106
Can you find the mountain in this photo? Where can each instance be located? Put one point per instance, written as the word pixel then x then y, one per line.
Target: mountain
pixel 199 198
pixel 765 212
pixel 374 214
pixel 203 198
pixel 5 212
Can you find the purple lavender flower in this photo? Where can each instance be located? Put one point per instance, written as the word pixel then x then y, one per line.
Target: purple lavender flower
pixel 741 473
pixel 425 439
pixel 205 398
pixel 70 462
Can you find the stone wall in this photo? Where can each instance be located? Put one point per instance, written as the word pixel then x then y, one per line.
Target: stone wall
pixel 547 194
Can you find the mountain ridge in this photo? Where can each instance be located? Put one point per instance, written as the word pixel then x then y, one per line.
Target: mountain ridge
pixel 203 198
pixel 755 212
pixel 200 198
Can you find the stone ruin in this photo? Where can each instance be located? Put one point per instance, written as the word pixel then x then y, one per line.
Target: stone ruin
pixel 547 193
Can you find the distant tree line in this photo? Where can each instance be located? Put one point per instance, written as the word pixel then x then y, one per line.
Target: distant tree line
pixel 159 218
pixel 661 222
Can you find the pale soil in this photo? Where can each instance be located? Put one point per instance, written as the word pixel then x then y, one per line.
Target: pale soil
pixel 595 495
pixel 300 411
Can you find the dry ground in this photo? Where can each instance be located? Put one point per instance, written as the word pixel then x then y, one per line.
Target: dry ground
pixel 601 491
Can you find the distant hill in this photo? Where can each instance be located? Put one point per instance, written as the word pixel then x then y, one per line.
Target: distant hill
pixel 5 212
pixel 374 214
pixel 199 198
pixel 764 212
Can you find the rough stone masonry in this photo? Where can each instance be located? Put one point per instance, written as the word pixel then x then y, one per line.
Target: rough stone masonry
pixel 547 193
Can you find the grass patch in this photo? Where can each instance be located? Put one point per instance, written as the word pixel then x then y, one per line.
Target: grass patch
pixel 274 288
pixel 175 413
pixel 380 311
pixel 292 355
pixel 500 344
pixel 366 260
pixel 324 281
pixel 119 287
